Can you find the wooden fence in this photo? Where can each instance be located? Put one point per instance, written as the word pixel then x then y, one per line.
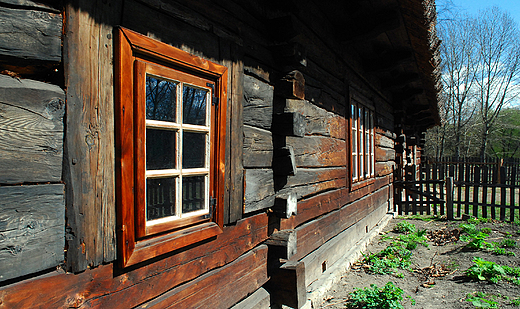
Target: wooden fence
pixel 448 187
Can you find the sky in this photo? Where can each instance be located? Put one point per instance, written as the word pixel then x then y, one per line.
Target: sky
pixel 473 6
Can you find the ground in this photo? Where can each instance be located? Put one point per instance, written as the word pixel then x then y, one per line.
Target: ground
pixel 438 279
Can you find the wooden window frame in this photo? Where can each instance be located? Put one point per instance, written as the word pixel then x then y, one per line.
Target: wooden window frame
pixel 361 155
pixel 137 242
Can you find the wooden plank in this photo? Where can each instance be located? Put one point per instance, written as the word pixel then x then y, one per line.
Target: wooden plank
pixel 485 181
pixel 384 168
pixel 30 34
pixel 285 240
pixel 259 192
pixel 292 86
pixel 260 299
pixel 257 148
pixel 311 181
pixel 503 193
pixel 31 131
pixel 137 285
pixel 89 139
pixel 467 188
pixel 258 103
pixel 318 151
pixel 32 229
pixel 39 5
pixel 220 288
pixel 384 154
pixel 235 146
pixel 476 187
pixel 513 208
pixel 287 285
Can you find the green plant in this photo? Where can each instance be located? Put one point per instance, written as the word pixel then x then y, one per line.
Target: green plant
pixel 482 300
pixel 404 227
pixel 486 270
pixel 387 297
pixel 515 302
pixel 508 243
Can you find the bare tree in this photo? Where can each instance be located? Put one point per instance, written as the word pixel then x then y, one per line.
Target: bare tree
pixel 497 74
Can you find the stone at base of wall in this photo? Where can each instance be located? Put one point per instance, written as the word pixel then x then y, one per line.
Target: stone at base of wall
pixel 318 290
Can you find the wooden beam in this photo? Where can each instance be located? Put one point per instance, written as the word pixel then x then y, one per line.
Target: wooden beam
pixel 388 60
pixel 369 25
pixel 286 240
pixel 30 34
pixel 291 86
pixel 260 299
pixel 284 162
pixel 258 103
pixel 32 221
pixel 285 207
pixel 289 124
pixel 287 285
pixel 259 193
pixel 257 147
pixel 31 131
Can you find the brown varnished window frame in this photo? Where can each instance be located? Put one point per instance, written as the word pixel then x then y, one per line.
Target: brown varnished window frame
pixel 136 242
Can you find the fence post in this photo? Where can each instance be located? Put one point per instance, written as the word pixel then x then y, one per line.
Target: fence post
pixel 449 198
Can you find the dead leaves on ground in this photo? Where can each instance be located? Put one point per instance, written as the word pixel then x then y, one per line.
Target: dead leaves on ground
pixel 443 236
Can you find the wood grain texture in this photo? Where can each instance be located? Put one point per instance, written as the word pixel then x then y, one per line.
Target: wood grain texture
pixel 310 181
pixel 31 131
pixel 258 103
pixel 382 140
pixel 384 168
pixel 318 120
pixel 104 286
pixel 260 299
pixel 220 288
pixel 318 151
pixel 32 229
pixel 30 34
pixel 89 144
pixel 315 233
pixel 384 154
pixel 259 193
pixel 323 203
pixel 258 147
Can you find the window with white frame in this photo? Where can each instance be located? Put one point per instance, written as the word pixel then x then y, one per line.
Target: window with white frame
pixel 361 142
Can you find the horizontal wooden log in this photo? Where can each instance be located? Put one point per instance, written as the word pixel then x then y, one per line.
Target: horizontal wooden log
pixel 260 299
pixel 258 103
pixel 134 287
pixel 312 181
pixel 339 246
pixel 384 154
pixel 31 131
pixel 52 5
pixel 319 121
pixel 258 147
pixel 315 233
pixel 384 168
pixel 382 140
pixel 318 151
pixel 259 193
pixel 32 229
pixel 286 239
pixel 30 34
pixel 220 288
pixel 291 86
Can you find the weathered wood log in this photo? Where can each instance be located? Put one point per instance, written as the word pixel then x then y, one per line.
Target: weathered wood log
pixel 286 207
pixel 260 299
pixel 287 285
pixel 318 120
pixel 138 285
pixel 318 151
pixel 220 288
pixel 50 5
pixel 32 229
pixel 291 86
pixel 30 34
pixel 259 193
pixel 315 233
pixel 286 240
pixel 384 154
pixel 289 124
pixel 31 131
pixel 89 139
pixel 258 147
pixel 312 181
pixel 323 203
pixel 382 140
pixel 284 162
pixel 258 103
pixel 384 168
pixel 290 54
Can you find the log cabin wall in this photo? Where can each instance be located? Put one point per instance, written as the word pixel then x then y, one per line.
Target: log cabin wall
pixel 291 207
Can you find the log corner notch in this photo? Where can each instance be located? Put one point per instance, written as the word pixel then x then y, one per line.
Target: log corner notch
pixel 291 86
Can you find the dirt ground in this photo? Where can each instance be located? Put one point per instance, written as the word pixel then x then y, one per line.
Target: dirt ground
pixel 438 279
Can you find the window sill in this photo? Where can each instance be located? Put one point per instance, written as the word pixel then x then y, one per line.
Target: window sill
pixel 362 184
pixel 154 247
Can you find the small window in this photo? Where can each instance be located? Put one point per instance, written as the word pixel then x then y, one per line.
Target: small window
pixel 361 142
pixel 170 147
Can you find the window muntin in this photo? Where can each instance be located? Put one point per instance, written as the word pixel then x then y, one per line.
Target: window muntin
pixel 166 111
pixel 362 142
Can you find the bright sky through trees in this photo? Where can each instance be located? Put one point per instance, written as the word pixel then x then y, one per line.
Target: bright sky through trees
pixel 473 6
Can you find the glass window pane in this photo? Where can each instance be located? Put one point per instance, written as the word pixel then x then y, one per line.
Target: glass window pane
pixel 193 197
pixel 161 99
pixel 160 149
pixel 160 198
pixel 193 150
pixel 194 105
